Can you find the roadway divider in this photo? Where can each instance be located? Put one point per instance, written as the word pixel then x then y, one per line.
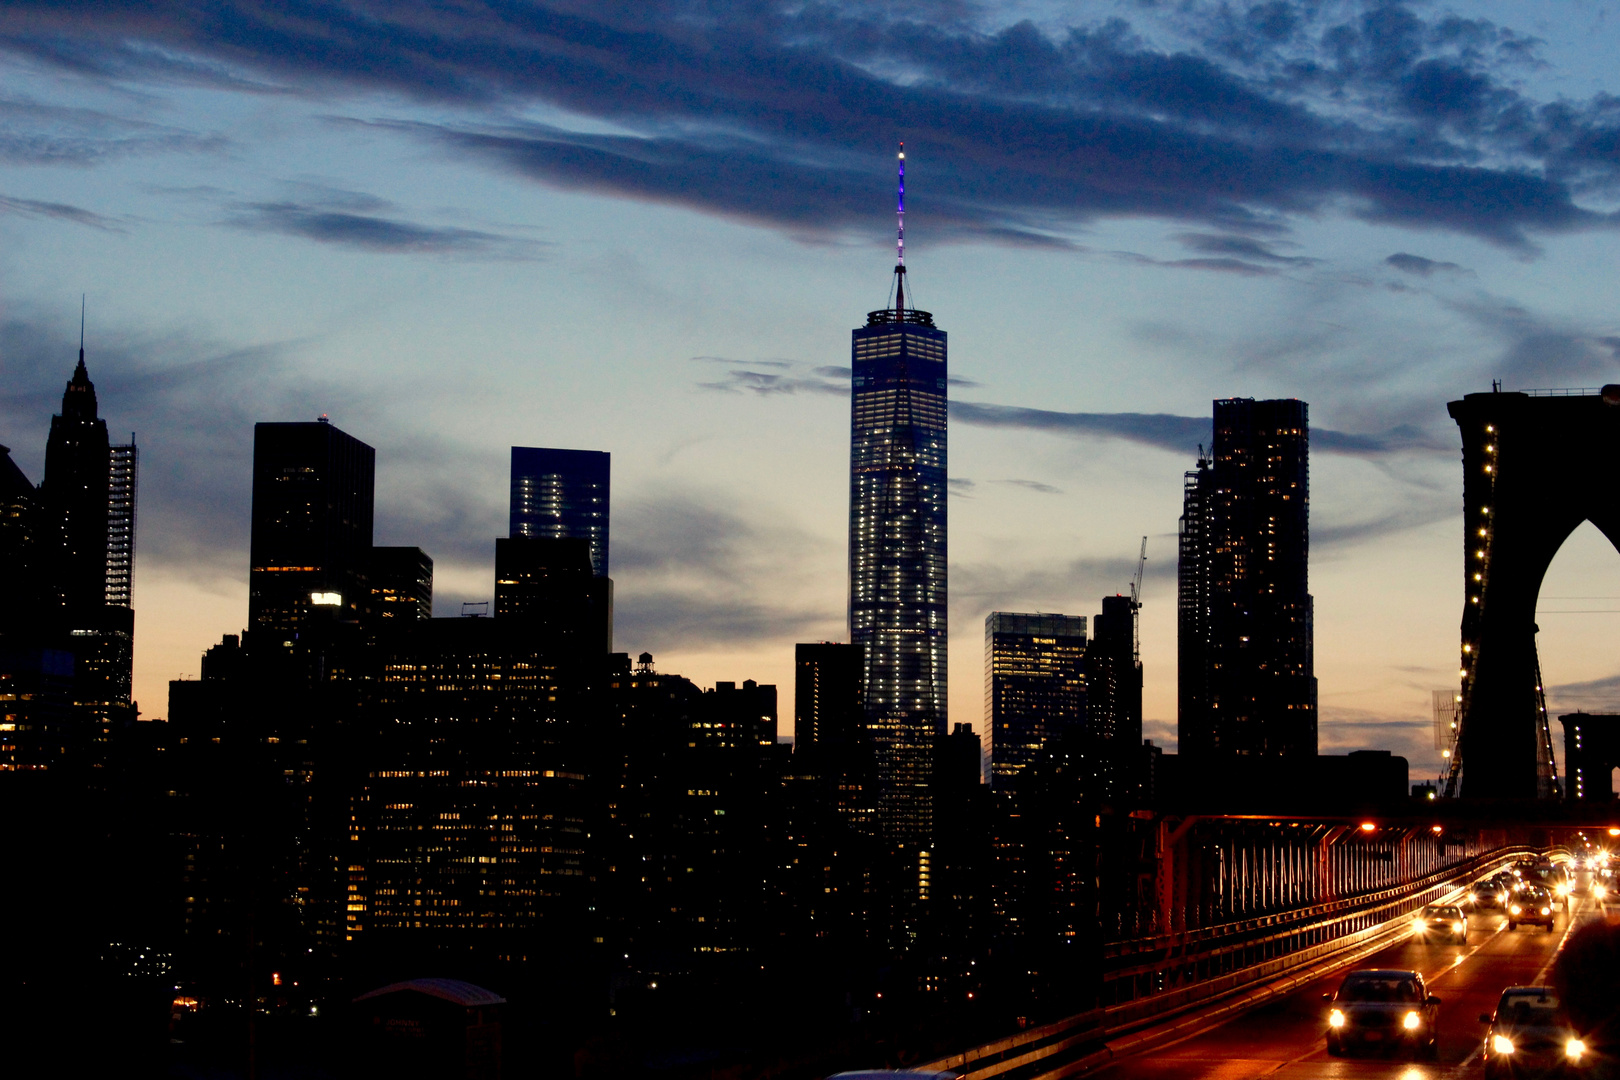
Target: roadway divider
pixel 1348 931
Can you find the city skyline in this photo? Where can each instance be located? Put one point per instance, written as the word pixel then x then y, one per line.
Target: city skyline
pixel 698 339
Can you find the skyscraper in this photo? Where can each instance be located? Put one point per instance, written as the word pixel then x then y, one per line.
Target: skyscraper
pixel 1114 699
pixel 400 580
pixel 546 585
pixel 897 589
pixel 1034 687
pixel 75 493
pixel 1245 610
pixel 313 488
pixel 563 495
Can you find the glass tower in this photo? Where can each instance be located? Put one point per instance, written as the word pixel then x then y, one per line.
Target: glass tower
pixel 897 552
pixel 562 495
pixel 1035 688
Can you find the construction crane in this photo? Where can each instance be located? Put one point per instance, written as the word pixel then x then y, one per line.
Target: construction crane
pixel 1136 605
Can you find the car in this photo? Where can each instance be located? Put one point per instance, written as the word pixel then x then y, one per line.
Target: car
pixel 1386 1010
pixel 1530 904
pixel 1492 892
pixel 1441 922
pixel 1529 1035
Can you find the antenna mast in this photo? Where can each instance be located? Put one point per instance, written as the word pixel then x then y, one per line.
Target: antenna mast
pixel 81 327
pixel 900 243
pixel 1136 605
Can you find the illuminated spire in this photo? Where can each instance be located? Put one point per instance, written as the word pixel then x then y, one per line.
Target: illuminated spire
pixel 900 242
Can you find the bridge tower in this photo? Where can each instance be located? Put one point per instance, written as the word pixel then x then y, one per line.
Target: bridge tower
pixel 1536 464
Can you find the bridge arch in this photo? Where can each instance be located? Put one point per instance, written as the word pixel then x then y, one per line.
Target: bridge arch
pixel 1536 465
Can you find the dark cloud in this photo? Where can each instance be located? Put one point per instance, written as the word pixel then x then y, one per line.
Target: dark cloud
pixel 1239 247
pixel 1178 434
pixel 1331 534
pixel 1218 265
pixel 1417 264
pixel 60 211
pixel 374 232
pixel 1236 118
pixel 1033 485
pixel 960 486
pixel 782 364
pixel 767 383
pixel 954 380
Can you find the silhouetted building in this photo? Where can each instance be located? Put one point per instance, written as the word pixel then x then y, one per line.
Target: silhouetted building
pixel 313 488
pixel 1591 754
pixel 75 494
pixel 686 777
pixel 547 586
pixel 897 549
pixel 84 543
pixel 1114 700
pixel 21 592
pixel 1035 687
pixel 563 495
pixel 1247 685
pixel 400 582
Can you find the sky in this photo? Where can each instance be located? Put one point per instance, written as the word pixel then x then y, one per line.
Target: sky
pixel 648 228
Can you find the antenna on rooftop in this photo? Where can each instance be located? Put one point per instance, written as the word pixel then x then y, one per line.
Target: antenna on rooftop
pixel 900 242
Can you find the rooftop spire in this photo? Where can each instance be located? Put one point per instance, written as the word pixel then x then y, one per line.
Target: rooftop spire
pixel 900 242
pixel 81 332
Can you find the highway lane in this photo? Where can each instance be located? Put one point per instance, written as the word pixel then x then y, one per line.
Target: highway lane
pixel 1283 1040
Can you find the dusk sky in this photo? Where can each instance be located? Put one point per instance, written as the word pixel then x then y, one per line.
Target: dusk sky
pixel 649 228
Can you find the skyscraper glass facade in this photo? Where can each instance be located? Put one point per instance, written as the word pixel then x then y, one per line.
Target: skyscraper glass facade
pixel 562 495
pixel 897 585
pixel 1034 687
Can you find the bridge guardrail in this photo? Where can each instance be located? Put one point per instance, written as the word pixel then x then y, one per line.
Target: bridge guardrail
pixel 1056 1044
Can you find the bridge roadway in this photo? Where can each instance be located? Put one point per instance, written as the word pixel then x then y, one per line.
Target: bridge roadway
pixel 1283 1040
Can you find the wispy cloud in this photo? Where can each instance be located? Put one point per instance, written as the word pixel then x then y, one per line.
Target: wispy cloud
pixel 376 231
pixel 1421 267
pixel 78 215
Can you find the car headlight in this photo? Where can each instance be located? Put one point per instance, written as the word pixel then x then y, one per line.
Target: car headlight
pixel 1501 1044
pixel 1473 898
pixel 1562 890
pixel 1457 926
pixel 1412 1021
pixel 1335 1019
pixel 1546 911
pixel 1419 923
pixel 1574 1049
pixel 1514 909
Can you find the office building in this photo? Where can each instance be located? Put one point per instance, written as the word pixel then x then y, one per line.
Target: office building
pixel 563 495
pixel 1114 701
pixel 897 548
pixel 547 586
pixel 400 583
pixel 313 488
pixel 1247 685
pixel 20 597
pixel 828 694
pixel 75 496
pixel 1034 688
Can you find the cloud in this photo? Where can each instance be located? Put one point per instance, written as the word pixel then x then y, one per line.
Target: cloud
pixel 373 232
pixel 765 383
pixel 1033 485
pixel 1177 434
pixel 1199 113
pixel 782 364
pixel 59 211
pixel 1418 265
pixel 960 486
pixel 1239 247
pixel 42 133
pixel 692 572
pixel 1218 265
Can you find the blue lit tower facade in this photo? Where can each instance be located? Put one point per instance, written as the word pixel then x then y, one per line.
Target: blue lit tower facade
pixel 897 547
pixel 563 495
